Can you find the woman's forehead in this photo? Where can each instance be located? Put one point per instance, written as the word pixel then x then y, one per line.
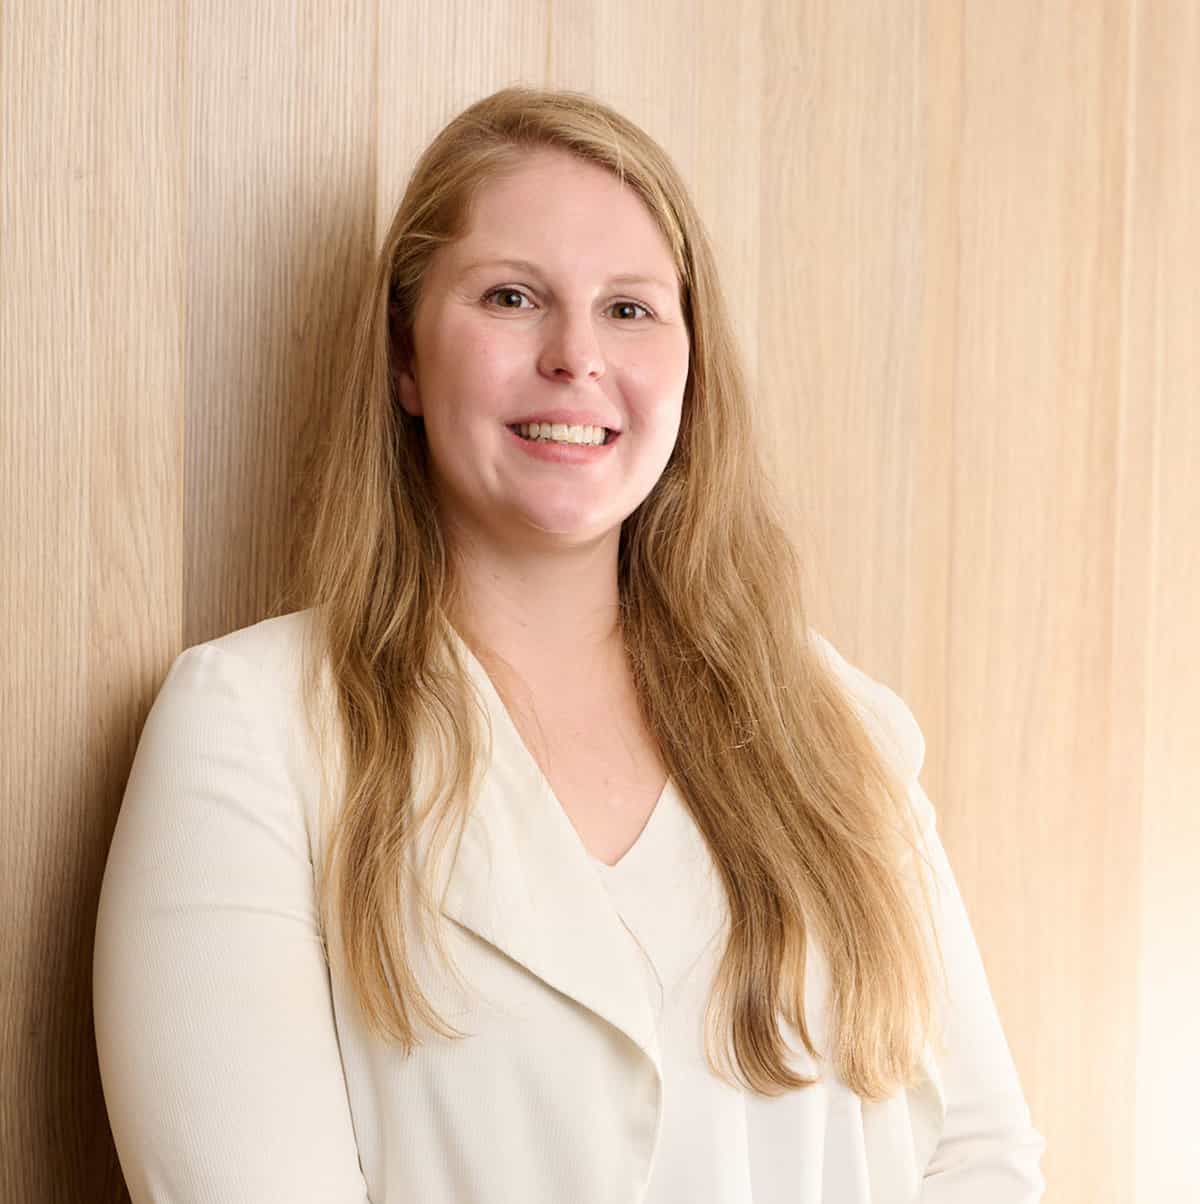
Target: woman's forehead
pixel 548 216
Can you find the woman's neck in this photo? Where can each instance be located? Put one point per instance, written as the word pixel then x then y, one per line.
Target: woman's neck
pixel 540 611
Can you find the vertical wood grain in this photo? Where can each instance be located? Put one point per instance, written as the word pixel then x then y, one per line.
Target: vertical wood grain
pixel 1161 587
pixel 434 60
pixel 282 162
pixel 91 369
pixel 839 298
pixel 1029 805
pixel 923 623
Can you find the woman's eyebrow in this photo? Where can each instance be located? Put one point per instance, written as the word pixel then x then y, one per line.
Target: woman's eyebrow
pixel 524 265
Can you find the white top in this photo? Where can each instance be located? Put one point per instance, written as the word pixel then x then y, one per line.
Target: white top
pixel 236 1067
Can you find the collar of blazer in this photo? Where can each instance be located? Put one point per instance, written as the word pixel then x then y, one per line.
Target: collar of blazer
pixel 521 879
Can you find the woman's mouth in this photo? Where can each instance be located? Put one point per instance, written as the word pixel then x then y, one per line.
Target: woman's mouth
pixel 563 433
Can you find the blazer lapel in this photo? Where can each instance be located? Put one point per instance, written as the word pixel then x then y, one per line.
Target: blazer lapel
pixel 521 880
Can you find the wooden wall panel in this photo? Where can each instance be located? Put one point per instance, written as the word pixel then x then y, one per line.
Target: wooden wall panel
pixel 434 60
pixel 281 220
pixel 1028 807
pixel 91 537
pixel 1160 591
pixel 840 315
pixel 956 249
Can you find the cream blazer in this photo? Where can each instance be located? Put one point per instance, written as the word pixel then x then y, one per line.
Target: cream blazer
pixel 236 1066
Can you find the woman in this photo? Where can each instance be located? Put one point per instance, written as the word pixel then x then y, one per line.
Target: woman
pixel 546 854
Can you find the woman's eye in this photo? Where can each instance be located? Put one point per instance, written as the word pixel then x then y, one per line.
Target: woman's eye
pixel 505 292
pixel 631 305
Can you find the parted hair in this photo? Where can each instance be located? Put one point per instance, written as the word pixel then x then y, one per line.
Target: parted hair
pixel 809 824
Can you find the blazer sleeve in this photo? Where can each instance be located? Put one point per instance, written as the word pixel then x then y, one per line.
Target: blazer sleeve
pixel 988 1151
pixel 215 1032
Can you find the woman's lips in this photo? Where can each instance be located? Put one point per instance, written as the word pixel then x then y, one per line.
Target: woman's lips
pixel 565 453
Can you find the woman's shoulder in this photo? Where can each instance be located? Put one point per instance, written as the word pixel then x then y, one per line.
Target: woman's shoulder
pixel 271 647
pixel 227 741
pixel 262 661
pixel 255 672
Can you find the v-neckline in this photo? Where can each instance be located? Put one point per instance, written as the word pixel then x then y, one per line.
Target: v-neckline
pixel 497 707
pixel 637 850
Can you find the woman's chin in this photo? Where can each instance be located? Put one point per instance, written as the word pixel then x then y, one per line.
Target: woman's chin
pixel 572 530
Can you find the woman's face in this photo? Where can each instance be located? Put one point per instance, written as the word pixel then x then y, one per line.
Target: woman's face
pixel 559 306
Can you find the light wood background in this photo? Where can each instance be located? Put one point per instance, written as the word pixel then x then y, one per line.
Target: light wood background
pixel 958 239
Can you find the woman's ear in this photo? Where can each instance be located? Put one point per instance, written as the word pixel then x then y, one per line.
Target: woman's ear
pixel 403 378
pixel 406 391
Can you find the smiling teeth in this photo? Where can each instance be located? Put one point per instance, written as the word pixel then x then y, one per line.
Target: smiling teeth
pixel 559 432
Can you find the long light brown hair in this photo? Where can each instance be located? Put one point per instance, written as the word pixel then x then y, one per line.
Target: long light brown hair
pixel 806 820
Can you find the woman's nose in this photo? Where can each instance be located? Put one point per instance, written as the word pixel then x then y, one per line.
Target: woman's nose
pixel 571 348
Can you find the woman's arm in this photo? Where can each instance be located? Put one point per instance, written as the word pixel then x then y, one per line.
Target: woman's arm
pixel 214 1024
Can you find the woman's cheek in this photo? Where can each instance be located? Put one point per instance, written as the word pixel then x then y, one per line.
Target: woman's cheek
pixel 495 367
